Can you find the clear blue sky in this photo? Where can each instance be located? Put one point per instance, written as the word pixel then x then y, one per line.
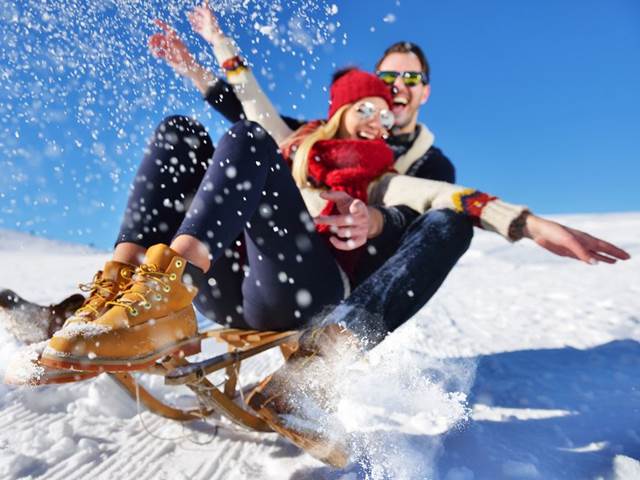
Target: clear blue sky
pixel 537 102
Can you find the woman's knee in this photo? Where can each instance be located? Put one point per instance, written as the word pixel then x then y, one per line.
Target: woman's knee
pixel 246 134
pixel 184 139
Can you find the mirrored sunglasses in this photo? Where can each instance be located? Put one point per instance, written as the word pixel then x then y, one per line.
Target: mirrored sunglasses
pixel 410 79
pixel 368 110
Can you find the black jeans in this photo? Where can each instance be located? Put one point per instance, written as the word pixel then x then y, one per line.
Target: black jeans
pixel 270 269
pixel 410 269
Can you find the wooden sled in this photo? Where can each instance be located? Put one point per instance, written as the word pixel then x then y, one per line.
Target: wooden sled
pixel 224 400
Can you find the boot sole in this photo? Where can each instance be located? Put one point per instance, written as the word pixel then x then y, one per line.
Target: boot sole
pixel 182 348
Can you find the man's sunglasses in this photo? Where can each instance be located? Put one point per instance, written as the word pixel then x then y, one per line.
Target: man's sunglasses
pixel 410 79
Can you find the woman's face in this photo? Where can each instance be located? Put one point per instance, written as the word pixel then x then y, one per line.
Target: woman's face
pixel 368 118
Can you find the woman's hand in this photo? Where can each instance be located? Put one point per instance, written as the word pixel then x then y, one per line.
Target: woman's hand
pixel 353 225
pixel 568 242
pixel 168 46
pixel 205 23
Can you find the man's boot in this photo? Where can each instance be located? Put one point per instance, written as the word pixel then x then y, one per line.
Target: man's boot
pixel 29 322
pixel 304 380
pixel 152 318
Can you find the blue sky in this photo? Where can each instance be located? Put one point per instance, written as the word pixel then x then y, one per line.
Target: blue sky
pixel 536 102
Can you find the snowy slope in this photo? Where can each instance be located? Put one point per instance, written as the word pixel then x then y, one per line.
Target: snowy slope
pixel 524 366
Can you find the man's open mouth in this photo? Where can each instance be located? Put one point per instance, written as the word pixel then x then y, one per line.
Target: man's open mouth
pixel 399 105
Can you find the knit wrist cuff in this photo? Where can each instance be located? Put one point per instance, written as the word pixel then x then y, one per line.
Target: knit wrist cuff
pixel 497 216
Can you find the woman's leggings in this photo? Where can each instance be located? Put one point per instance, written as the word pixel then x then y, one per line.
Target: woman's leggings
pixel 270 269
pixel 243 194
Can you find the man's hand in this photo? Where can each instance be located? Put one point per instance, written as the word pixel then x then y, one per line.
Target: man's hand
pixel 204 22
pixel 568 242
pixel 353 225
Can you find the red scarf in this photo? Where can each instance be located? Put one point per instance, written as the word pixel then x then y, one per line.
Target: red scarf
pixel 344 165
pixel 348 166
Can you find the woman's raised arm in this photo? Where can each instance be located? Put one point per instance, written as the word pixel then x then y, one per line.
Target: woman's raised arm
pixel 256 104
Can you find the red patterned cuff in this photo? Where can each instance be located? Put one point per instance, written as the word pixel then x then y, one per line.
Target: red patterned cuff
pixel 234 65
pixel 472 202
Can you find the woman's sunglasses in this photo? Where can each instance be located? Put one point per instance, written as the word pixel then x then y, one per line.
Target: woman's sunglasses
pixel 367 111
pixel 410 79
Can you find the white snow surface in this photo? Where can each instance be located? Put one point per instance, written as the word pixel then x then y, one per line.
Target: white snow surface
pixel 523 366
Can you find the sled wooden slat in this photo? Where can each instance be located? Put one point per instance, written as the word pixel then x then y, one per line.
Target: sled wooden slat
pixel 231 373
pixel 193 372
pixel 323 448
pixel 224 405
pixel 261 336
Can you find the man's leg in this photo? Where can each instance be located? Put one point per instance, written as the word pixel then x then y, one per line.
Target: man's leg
pixel 404 283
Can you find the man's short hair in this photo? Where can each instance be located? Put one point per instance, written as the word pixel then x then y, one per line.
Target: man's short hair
pixel 406 47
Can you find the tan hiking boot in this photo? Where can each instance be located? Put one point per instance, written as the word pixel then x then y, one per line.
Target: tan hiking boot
pixel 105 286
pixel 25 367
pixel 152 318
pixel 288 399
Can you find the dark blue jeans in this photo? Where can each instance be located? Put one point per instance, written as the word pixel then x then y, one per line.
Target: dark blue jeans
pixel 270 269
pixel 403 274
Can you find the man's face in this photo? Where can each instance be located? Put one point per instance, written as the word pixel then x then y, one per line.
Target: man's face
pixel 406 100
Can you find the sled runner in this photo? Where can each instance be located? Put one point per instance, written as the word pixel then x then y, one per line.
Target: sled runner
pixel 224 400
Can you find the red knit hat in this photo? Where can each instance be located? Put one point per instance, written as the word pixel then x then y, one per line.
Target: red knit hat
pixel 354 85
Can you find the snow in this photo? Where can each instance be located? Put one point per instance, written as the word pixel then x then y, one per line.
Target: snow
pixel 523 366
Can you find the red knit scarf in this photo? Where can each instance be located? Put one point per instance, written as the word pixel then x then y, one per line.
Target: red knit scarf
pixel 343 165
pixel 348 166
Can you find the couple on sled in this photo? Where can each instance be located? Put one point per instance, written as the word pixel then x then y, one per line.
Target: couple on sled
pixel 345 227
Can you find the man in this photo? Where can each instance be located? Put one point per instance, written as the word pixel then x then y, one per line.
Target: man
pixel 404 66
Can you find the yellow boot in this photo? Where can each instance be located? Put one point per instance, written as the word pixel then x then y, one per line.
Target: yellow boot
pixel 25 367
pixel 152 318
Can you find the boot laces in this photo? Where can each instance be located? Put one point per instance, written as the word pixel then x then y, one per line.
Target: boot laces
pixel 100 291
pixel 151 279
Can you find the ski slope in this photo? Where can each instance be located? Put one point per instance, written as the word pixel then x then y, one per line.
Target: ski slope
pixel 523 366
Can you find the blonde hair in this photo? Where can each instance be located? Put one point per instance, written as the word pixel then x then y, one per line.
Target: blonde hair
pixel 326 131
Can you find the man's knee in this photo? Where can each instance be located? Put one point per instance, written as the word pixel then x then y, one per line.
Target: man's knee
pixel 447 225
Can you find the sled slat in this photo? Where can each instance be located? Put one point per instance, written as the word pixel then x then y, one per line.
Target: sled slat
pixel 195 371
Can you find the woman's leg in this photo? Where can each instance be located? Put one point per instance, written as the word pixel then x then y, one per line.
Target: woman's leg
pixel 291 274
pixel 175 161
